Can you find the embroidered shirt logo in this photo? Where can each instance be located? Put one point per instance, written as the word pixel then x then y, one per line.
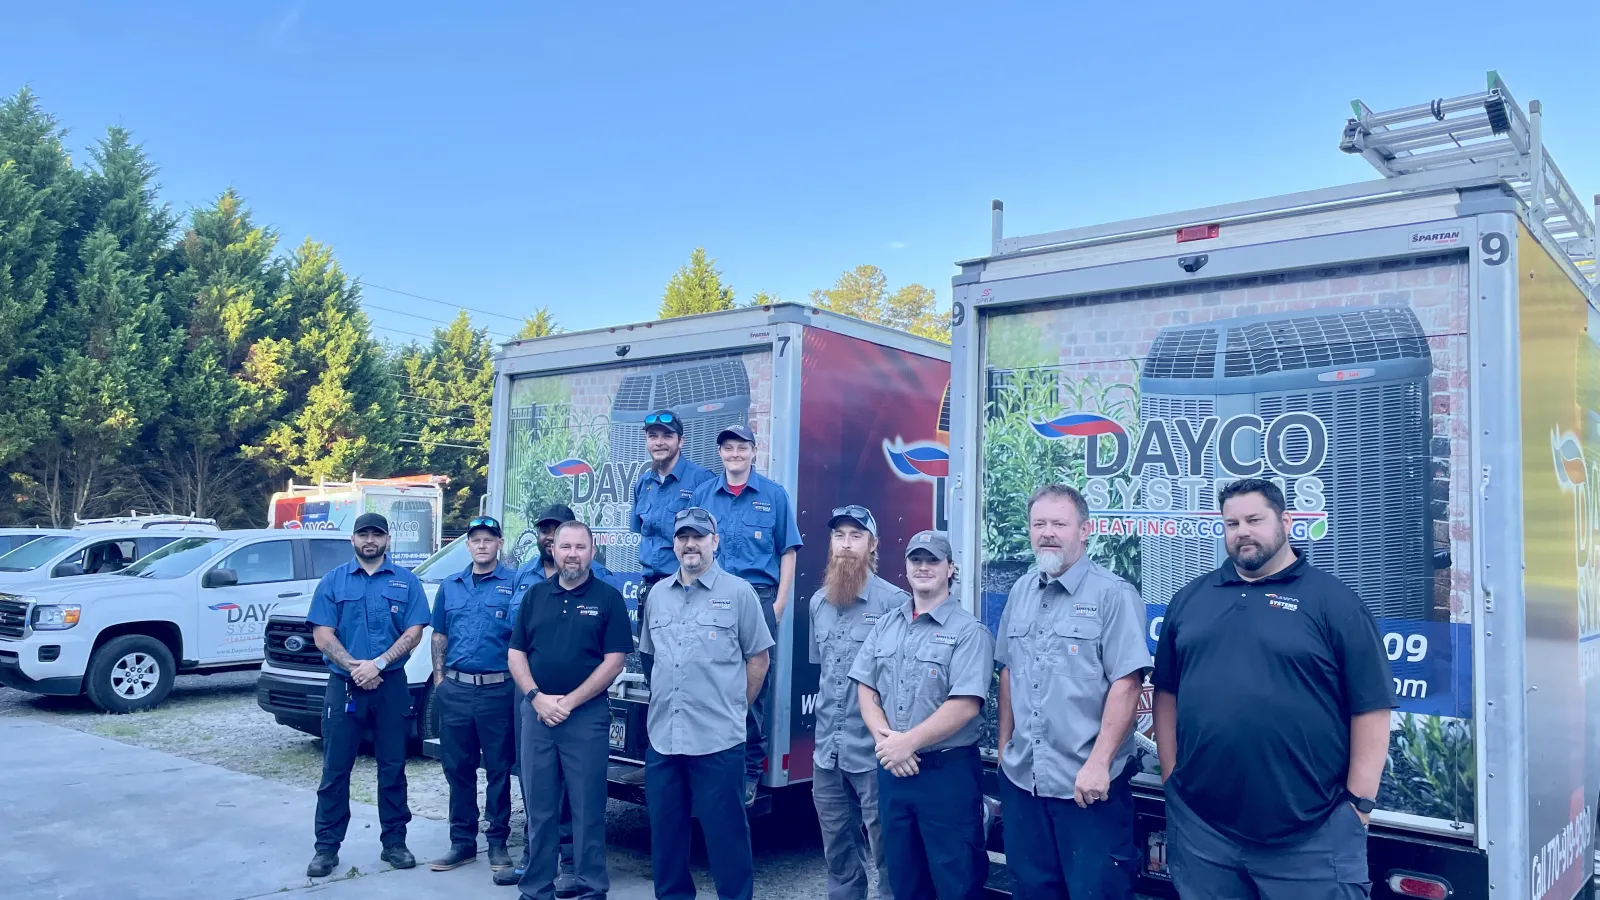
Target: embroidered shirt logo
pixel 870 618
pixel 1278 601
pixel 1072 649
pixel 1090 610
pixel 398 584
pixel 758 506
pixel 948 640
pixel 721 604
pixel 588 610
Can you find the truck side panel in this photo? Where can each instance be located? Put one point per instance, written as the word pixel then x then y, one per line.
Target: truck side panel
pixel 874 431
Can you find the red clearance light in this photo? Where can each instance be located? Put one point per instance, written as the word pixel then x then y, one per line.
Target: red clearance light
pixel 1198 233
pixel 1407 884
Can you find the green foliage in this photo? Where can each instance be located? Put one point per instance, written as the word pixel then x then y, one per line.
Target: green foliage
pixel 863 292
pixel 445 389
pixel 696 288
pixel 538 325
pixel 1433 769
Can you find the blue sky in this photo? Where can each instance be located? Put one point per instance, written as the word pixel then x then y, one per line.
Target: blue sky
pixel 503 156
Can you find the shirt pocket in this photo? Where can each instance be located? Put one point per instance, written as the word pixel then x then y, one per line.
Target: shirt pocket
pixel 718 637
pixel 933 671
pixel 497 613
pixel 759 524
pixel 397 602
pixel 1078 647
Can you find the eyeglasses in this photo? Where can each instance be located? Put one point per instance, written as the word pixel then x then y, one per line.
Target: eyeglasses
pixel 859 513
pixel 660 419
pixel 489 522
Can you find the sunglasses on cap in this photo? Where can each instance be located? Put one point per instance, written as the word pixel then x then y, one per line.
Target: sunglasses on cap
pixel 660 419
pixel 859 513
pixel 489 522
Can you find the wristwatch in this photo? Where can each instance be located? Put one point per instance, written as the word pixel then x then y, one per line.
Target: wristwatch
pixel 1362 804
pixel 532 694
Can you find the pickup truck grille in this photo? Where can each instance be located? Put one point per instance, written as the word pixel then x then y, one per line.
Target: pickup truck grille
pixel 281 631
pixel 13 617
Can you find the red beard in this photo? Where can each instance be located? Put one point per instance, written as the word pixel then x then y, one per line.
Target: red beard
pixel 846 578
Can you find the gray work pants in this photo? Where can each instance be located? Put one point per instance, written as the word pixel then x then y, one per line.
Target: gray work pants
pixel 568 761
pixel 847 810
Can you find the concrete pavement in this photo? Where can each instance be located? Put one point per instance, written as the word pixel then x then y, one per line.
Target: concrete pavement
pixel 87 817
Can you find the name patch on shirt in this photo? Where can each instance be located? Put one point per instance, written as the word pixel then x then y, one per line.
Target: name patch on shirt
pixel 1091 610
pixel 1278 601
pixel 946 639
pixel 721 604
pixel 758 506
pixel 588 610
pixel 686 494
pixel 398 584
pixel 870 618
pixel 503 589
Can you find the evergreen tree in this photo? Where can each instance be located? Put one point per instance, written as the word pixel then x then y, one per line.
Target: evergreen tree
pixel 696 288
pixel 538 325
pixel 340 395
pixel 863 292
pixel 446 390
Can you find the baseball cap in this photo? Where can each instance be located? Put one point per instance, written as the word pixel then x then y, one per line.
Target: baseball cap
pixel 742 432
pixel 933 542
pixel 487 523
pixel 664 418
pixel 857 514
pixel 696 519
pixel 371 520
pixel 555 512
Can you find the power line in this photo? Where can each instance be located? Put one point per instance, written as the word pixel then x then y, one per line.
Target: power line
pixel 445 403
pixel 407 438
pixel 401 312
pixel 441 302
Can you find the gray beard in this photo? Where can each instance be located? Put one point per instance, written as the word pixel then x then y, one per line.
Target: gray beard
pixel 1052 561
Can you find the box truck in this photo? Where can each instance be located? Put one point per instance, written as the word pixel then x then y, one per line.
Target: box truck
pixel 1416 361
pixel 413 504
pixel 843 412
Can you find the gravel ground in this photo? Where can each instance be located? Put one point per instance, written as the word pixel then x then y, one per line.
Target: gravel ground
pixel 214 719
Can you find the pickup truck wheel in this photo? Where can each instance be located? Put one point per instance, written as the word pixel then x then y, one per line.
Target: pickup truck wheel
pixel 130 673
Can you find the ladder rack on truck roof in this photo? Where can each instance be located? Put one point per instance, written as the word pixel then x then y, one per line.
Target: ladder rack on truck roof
pixel 1475 140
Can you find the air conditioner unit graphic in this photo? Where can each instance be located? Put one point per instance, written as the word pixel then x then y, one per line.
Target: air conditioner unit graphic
pixel 1364 372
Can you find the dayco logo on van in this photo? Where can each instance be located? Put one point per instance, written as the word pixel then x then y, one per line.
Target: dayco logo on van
pixel 1161 497
pixel 245 622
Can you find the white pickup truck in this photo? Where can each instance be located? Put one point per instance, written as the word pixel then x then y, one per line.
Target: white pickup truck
pixel 198 604
pixel 294 676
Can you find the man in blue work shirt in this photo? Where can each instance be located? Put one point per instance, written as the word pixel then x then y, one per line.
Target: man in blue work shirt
pixel 543 567
pixel 472 684
pixel 759 542
pixel 663 488
pixel 366 617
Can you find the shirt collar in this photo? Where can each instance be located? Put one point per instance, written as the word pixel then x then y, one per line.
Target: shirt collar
pixel 1072 579
pixel 753 483
pixel 677 471
pixel 500 572
pixel 580 590
pixel 1227 574
pixel 354 566
pixel 940 614
pixel 707 579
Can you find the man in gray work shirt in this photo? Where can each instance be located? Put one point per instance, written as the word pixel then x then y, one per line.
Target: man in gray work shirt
pixel 705 648
pixel 1073 660
pixel 924 672
pixel 844 781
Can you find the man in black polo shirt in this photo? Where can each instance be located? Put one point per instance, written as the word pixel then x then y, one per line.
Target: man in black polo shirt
pixel 1272 718
pixel 571 637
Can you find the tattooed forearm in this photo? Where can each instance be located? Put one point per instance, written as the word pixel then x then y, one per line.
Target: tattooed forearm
pixel 440 642
pixel 409 639
pixel 328 642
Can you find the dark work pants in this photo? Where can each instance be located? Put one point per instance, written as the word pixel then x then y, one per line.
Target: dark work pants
pixel 1055 848
pixel 384 711
pixel 1330 863
pixel 475 726
pixel 522 706
pixel 758 720
pixel 710 789
pixel 933 827
pixel 564 768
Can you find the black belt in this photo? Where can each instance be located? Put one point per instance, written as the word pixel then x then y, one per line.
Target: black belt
pixel 479 680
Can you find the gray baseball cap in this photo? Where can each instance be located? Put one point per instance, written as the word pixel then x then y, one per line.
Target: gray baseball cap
pixel 739 431
pixel 933 542
pixel 857 514
pixel 696 519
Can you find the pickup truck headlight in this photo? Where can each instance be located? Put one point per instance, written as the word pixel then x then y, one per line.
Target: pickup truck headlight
pixel 55 618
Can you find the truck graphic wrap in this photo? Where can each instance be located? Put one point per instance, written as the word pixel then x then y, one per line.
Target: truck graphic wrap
pixel 1346 387
pixel 578 438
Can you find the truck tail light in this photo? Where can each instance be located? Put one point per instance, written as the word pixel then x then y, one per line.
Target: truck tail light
pixel 1198 233
pixel 1410 884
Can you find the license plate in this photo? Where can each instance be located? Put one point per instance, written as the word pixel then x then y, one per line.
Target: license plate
pixel 619 734
pixel 1155 857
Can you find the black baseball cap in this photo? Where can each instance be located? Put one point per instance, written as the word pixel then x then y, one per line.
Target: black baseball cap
pixel 695 519
pixel 555 512
pixel 933 542
pixel 740 431
pixel 370 520
pixel 664 418
pixel 485 523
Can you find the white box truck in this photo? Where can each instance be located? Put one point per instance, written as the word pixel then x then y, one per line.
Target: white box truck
pixel 843 412
pixel 1417 361
pixel 413 504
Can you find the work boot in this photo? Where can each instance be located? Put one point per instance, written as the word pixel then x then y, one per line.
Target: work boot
pixel 398 856
pixel 750 793
pixel 566 885
pixel 499 857
pixel 504 877
pixel 458 856
pixel 323 864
